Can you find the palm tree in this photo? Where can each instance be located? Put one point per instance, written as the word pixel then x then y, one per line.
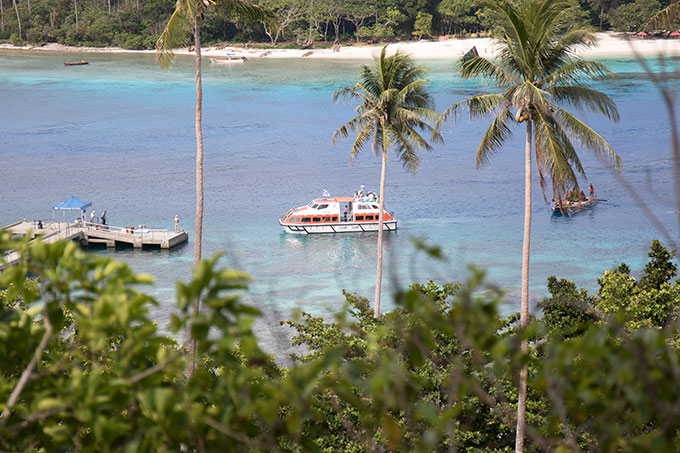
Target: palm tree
pixel 184 20
pixel 16 9
pixel 537 73
pixel 393 107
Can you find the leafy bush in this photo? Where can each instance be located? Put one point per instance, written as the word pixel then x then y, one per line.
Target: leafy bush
pixel 83 367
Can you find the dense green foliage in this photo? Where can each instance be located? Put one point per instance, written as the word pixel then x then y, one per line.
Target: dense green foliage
pixel 83 367
pixel 137 24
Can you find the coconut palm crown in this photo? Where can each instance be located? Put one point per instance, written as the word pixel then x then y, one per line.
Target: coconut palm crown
pixel 537 74
pixel 393 111
pixel 179 29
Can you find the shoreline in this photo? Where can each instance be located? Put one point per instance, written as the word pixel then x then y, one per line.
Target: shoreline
pixel 609 44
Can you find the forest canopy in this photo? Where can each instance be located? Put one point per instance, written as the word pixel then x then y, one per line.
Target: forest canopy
pixel 136 24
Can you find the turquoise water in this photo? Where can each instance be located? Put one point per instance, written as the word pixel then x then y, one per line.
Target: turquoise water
pixel 120 132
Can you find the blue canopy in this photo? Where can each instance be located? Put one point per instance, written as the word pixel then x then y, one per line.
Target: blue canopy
pixel 73 203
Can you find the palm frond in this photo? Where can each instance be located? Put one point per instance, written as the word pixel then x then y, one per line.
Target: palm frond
pixel 559 54
pixel 494 137
pixel 176 34
pixel 477 106
pixel 484 69
pixel 348 93
pixel 364 134
pixel 408 142
pixel 246 10
pixel 588 98
pixel 555 154
pixel 578 71
pixel 667 18
pixel 344 130
pixel 413 115
pixel 587 137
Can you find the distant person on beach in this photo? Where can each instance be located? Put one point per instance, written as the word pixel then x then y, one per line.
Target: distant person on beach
pixel 176 224
pixel 583 196
pixel 40 225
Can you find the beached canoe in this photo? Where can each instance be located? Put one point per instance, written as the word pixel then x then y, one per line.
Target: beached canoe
pixel 76 63
pixel 230 57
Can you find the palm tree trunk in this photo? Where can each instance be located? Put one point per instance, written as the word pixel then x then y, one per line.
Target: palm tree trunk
pixel 524 309
pixel 16 9
pixel 75 7
pixel 2 17
pixel 675 147
pixel 198 241
pixel 378 273
pixel 601 14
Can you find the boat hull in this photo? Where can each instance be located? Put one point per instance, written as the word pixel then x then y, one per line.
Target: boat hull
pixel 574 207
pixel 227 60
pixel 349 227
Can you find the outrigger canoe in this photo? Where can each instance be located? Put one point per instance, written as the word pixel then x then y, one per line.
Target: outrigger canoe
pixel 568 208
pixel 76 63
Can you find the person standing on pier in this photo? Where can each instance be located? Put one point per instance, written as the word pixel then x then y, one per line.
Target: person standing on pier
pixel 82 218
pixel 103 219
pixel 176 223
pixel 92 216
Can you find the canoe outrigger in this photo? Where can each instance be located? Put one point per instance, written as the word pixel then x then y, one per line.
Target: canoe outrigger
pixel 337 215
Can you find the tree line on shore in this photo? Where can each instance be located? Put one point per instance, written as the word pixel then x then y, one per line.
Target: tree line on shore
pixel 136 24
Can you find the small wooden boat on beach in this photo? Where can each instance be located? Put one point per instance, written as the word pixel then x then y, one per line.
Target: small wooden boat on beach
pixel 568 208
pixel 230 57
pixel 337 215
pixel 76 63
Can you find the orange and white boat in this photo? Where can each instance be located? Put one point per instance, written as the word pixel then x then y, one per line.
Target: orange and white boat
pixel 337 215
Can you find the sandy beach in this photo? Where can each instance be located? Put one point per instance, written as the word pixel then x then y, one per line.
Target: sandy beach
pixel 608 45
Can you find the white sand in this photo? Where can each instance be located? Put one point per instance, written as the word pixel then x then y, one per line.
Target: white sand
pixel 608 45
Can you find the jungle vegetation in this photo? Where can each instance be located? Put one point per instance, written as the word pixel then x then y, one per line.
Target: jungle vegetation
pixel 83 367
pixel 137 24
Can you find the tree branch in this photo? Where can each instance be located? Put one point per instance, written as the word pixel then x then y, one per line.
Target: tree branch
pixel 23 380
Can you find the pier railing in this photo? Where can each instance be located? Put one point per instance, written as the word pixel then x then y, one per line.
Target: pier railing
pixel 129 231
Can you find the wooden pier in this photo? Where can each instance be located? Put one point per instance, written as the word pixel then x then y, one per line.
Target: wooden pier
pixel 90 233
